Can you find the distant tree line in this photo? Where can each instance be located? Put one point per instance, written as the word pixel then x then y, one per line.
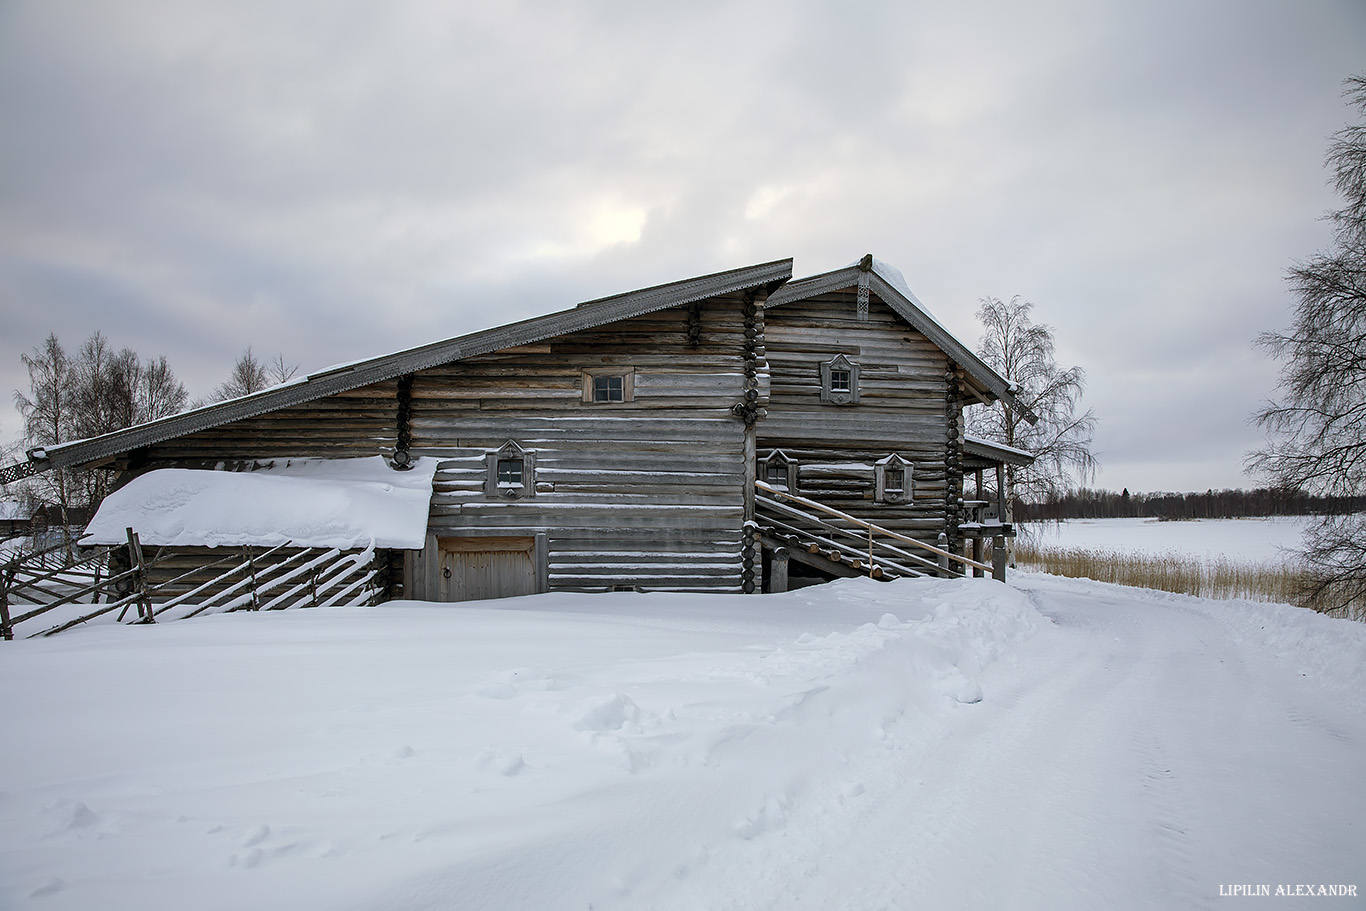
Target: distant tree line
pixel 1086 503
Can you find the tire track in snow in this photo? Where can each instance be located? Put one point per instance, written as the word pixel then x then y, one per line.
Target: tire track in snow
pixel 1130 756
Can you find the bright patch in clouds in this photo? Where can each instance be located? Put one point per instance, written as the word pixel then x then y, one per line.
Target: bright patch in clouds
pixel 591 230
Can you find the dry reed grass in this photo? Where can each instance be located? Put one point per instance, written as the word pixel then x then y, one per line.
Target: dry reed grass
pixel 1217 577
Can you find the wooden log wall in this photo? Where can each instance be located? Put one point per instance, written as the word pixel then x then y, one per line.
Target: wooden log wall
pixel 904 406
pixel 652 492
pixel 648 493
pixel 361 422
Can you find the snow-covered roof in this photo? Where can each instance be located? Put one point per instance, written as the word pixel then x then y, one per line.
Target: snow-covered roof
pixel 996 452
pixel 307 502
pixel 11 510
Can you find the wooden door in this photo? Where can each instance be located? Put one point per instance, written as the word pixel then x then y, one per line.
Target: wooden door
pixel 476 568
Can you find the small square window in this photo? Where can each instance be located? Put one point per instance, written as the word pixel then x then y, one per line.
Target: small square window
pixel 895 480
pixel 606 385
pixel 609 388
pixel 841 380
pixel 777 474
pixel 510 471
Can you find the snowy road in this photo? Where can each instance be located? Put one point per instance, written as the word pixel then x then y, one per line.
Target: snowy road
pixel 1058 744
pixel 1132 755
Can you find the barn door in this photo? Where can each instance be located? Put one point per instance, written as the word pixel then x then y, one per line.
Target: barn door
pixel 477 568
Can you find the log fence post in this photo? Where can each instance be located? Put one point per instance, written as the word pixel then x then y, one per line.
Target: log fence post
pixel 251 583
pixel 998 558
pixel 6 577
pixel 144 598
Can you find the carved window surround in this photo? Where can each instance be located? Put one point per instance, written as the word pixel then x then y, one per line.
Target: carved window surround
pixel 893 482
pixel 840 381
pixel 510 472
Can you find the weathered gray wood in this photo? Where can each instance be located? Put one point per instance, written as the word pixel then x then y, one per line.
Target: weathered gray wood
pixel 777 573
pixel 337 381
pixel 654 491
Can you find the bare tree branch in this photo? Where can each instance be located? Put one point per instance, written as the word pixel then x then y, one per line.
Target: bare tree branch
pixel 1022 351
pixel 1317 429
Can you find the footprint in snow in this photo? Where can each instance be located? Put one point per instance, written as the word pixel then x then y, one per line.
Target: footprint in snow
pixel 497 691
pixel 607 713
pixel 958 687
pixel 47 888
pixel 505 762
pixel 256 836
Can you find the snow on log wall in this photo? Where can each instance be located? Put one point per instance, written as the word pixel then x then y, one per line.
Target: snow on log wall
pixel 901 409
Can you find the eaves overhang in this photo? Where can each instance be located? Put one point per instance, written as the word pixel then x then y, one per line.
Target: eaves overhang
pixel 994 452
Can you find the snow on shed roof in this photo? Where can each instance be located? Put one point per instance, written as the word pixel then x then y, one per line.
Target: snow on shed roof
pixel 992 451
pixel 307 502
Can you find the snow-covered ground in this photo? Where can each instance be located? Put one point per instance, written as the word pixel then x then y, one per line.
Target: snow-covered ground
pixel 1258 540
pixel 920 744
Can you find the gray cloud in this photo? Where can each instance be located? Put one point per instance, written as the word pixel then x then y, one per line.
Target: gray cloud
pixel 338 180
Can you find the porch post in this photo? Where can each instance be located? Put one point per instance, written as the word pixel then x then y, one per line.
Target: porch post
pixel 777 572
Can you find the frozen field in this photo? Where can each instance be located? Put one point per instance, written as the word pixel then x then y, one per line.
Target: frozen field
pixel 962 744
pixel 1239 539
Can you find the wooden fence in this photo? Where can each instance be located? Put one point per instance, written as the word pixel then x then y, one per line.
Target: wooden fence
pixel 175 584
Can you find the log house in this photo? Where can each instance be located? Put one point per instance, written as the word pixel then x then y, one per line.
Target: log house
pixel 617 445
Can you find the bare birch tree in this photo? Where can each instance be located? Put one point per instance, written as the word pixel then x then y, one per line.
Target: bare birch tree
pixel 48 416
pixel 1317 426
pixel 1060 441
pixel 97 391
pixel 248 375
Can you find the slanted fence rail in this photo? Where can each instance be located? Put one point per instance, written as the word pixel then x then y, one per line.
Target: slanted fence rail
pixel 176 583
pixel 850 541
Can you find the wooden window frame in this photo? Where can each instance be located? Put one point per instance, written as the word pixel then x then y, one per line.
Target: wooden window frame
pixel 828 392
pixel 775 458
pixel 510 451
pixel 891 495
pixel 628 384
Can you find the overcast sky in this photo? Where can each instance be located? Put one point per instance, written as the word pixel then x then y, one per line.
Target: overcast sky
pixel 338 180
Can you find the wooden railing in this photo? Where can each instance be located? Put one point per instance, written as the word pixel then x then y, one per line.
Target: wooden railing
pixel 850 537
pixel 242 580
